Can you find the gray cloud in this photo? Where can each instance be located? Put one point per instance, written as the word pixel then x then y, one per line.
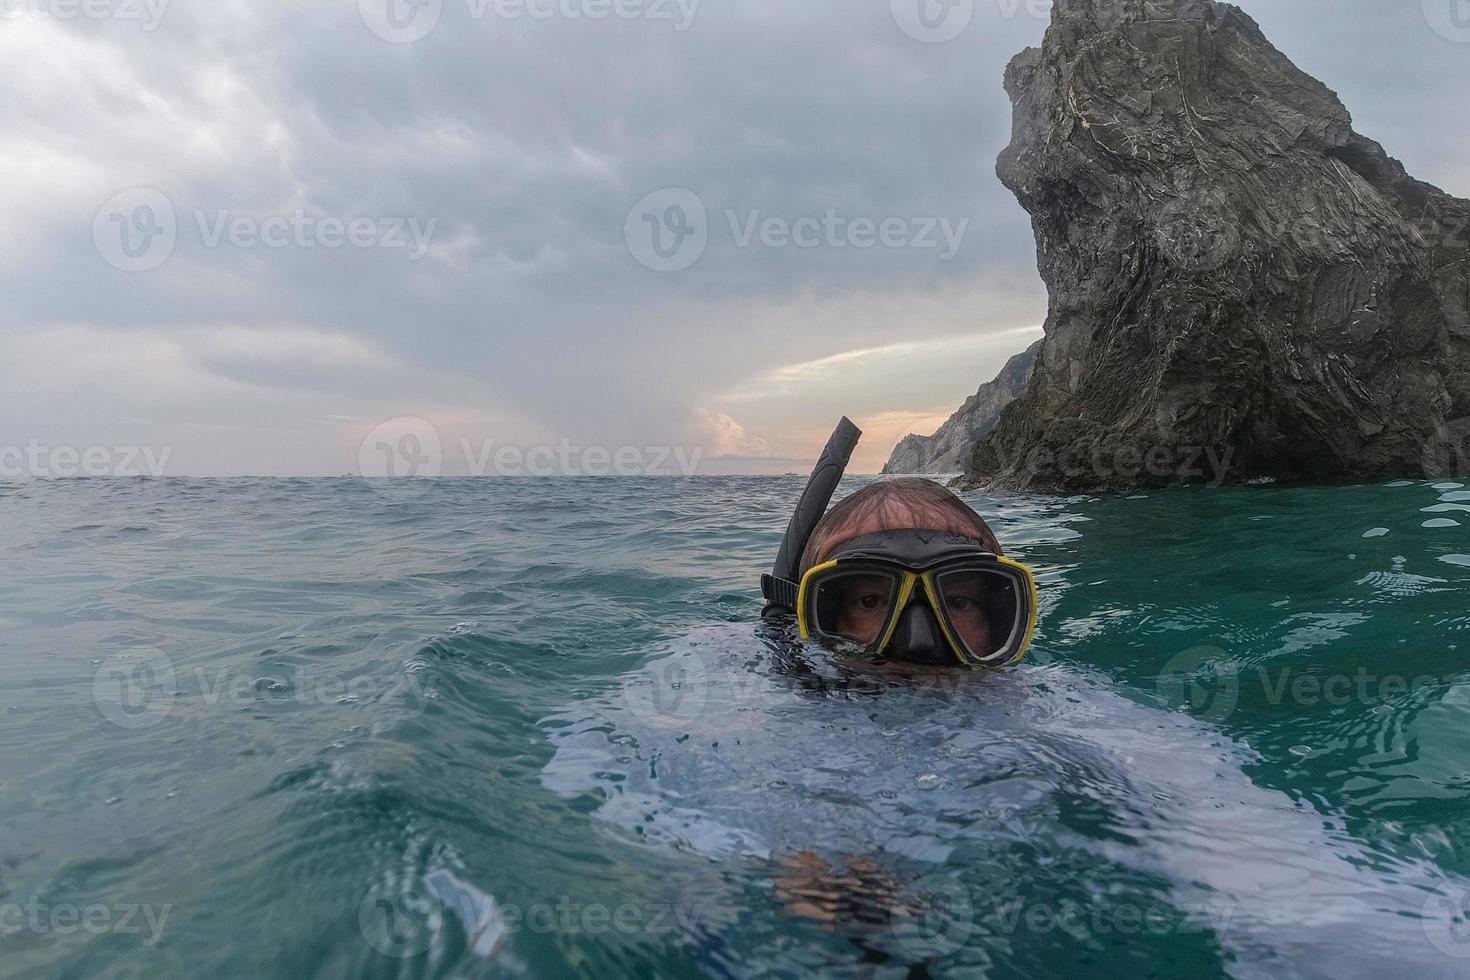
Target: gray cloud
pixel 527 141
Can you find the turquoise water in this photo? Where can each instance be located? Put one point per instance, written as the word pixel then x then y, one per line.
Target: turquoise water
pixel 504 728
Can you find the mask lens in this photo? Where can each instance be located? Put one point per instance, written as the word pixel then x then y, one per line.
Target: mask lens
pixel 982 606
pixel 855 606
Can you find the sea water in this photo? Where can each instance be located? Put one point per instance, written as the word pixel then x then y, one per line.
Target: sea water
pixel 533 728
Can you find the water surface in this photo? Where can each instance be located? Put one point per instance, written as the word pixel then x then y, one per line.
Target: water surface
pixel 530 728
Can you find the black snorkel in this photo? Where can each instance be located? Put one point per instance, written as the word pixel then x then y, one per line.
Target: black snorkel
pixel 779 587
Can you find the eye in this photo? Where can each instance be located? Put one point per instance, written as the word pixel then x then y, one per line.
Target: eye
pixel 872 601
pixel 963 603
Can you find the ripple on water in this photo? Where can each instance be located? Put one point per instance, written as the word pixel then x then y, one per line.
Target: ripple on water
pixel 1402 584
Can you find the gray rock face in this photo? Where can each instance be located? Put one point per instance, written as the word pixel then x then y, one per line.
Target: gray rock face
pixel 1234 273
pixel 946 450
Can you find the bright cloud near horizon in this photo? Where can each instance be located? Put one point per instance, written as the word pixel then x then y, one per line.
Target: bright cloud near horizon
pixel 254 233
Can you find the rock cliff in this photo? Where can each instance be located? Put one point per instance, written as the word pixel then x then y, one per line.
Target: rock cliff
pixel 1234 273
pixel 947 450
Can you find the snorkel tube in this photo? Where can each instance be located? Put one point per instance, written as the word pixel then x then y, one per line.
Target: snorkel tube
pixel 779 587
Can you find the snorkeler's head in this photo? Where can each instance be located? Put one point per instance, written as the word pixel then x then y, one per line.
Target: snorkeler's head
pixel 863 550
pixel 902 569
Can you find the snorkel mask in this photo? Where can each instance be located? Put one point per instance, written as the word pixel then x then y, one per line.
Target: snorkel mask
pixel 921 596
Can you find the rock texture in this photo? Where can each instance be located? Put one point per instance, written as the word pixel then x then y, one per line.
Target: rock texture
pixel 1230 267
pixel 947 450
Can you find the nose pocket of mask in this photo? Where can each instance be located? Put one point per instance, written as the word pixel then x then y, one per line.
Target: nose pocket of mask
pixel 918 638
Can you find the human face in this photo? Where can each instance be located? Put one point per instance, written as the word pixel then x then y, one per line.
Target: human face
pixel 917 594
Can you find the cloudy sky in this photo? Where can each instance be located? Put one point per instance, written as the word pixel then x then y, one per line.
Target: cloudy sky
pixel 256 235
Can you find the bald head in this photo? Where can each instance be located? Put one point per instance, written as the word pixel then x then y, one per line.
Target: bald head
pixel 895 505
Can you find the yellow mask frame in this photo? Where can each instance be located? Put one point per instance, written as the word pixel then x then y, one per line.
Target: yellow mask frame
pixel 909 579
